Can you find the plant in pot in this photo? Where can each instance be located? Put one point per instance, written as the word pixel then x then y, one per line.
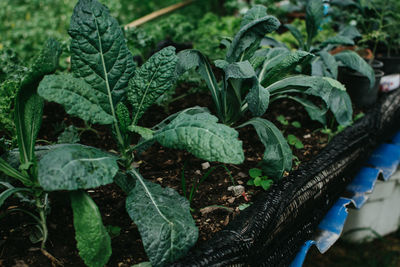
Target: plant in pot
pixel 378 22
pixel 336 64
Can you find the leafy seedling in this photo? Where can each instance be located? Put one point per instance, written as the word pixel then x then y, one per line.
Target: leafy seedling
pixel 282 120
pixel 258 179
pixel 296 124
pixel 294 141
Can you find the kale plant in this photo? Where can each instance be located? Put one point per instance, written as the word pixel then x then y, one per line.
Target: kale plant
pixel 324 63
pixel 254 77
pixel 106 87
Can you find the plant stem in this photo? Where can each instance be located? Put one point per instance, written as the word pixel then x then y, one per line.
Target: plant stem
pixel 42 213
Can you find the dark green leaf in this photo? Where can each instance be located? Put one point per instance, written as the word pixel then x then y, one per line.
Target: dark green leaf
pixel 145 133
pixel 124 181
pixel 316 113
pixel 314 16
pixel 29 105
pixel 77 97
pixel 337 40
pixel 99 53
pixel 152 80
pixel 250 35
pixel 10 191
pixel 330 91
pixel 93 241
pixel 350 32
pixel 123 116
pixel 297 35
pixel 73 167
pixel 282 64
pixel 255 13
pixel 189 59
pixel 8 170
pixel 257 98
pixel 163 219
pixel 201 135
pixel 353 61
pixel 325 65
pixel 69 136
pixel 277 155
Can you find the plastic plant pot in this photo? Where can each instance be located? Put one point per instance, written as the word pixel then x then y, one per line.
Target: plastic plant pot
pixel 391 64
pixel 377 64
pixel 358 86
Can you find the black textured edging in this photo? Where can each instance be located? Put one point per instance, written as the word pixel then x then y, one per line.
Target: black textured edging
pixel 273 229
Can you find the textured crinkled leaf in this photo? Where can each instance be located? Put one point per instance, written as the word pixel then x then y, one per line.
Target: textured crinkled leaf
pixel 125 182
pixel 316 113
pixel 93 241
pixel 314 16
pixel 243 79
pixel 152 80
pixel 249 36
pixel 325 65
pixel 123 116
pixel 277 155
pixel 164 221
pixel 350 32
pixel 337 40
pixel 29 105
pixel 201 135
pixel 330 91
pixel 259 57
pixel 189 59
pixel 77 97
pixel 69 136
pixel 145 133
pixel 73 167
pixel 144 144
pixel 281 63
pixel 258 99
pixel 99 53
pixel 255 13
pixel 352 60
pixel 297 35
pixel 271 42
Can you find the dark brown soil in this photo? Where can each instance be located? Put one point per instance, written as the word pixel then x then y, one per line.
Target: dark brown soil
pixel 161 165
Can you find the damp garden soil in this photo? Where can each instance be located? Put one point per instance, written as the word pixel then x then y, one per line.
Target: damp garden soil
pixel 159 164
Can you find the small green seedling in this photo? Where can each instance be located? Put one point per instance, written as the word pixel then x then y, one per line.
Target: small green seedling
pixel 282 120
pixel 294 141
pixel 296 124
pixel 257 179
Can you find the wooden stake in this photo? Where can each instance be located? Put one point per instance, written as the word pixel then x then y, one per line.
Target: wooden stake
pixel 157 14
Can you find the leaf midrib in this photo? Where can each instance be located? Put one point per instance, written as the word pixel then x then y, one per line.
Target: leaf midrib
pixel 118 132
pixel 145 92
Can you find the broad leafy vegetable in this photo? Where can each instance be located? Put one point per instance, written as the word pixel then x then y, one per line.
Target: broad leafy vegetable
pixel 325 64
pixel 104 84
pixel 253 77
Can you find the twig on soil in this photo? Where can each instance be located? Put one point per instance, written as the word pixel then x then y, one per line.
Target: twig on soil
pixel 54 262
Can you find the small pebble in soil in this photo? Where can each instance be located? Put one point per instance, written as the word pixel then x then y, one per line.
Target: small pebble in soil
pixel 205 165
pixel 236 190
pixel 242 175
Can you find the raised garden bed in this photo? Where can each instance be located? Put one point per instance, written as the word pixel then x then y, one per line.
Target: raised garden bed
pixel 130 190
